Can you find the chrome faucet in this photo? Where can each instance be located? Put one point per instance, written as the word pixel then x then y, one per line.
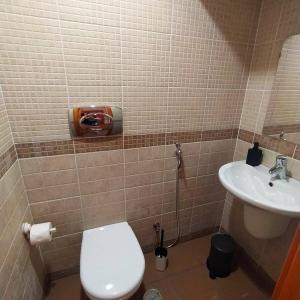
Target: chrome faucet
pixel 279 171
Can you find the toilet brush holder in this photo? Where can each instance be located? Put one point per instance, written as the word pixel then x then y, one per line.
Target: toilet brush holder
pixel 161 255
pixel 161 263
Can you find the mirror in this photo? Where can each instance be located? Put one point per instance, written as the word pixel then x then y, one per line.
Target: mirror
pixel 283 115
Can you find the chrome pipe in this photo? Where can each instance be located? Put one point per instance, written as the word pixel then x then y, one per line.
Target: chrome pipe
pixel 179 162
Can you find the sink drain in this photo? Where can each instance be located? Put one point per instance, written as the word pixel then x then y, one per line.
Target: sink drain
pixel 152 294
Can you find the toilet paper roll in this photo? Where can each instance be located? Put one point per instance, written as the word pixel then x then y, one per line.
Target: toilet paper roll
pixel 40 233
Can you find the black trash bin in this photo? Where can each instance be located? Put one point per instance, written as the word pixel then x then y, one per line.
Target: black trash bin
pixel 219 261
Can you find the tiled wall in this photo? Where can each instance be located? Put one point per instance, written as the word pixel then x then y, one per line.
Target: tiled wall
pixel 6 141
pixel 171 65
pixel 179 71
pixel 8 153
pixel 86 190
pixel 21 268
pixel 284 108
pixel 278 20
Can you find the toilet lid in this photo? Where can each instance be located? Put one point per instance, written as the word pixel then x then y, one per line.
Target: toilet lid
pixel 112 263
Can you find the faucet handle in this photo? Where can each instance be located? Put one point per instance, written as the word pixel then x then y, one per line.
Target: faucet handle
pixel 281 157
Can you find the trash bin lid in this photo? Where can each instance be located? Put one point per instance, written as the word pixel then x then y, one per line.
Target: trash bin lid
pixel 223 243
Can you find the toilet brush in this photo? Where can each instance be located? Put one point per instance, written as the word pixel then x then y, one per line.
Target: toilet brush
pixel 161 254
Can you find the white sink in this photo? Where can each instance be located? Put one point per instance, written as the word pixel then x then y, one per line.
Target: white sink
pixel 268 204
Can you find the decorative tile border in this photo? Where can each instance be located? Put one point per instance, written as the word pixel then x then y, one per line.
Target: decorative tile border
pixel 246 136
pixel 44 148
pixel 183 137
pixel 274 144
pixel 145 140
pixel 223 134
pixel 39 149
pixel 198 136
pixel 269 130
pixel 84 145
pixel 271 143
pixel 7 159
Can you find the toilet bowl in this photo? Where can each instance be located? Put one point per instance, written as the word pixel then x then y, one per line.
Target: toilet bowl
pixel 112 263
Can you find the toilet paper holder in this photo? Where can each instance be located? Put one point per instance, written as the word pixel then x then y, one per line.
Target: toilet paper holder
pixel 26 227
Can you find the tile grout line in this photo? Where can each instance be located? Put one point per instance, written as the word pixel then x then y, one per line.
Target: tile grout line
pixel 30 211
pixel 250 68
pixel 25 287
pixel 122 101
pixel 15 184
pixel 14 238
pixel 9 122
pixel 246 86
pixel 202 127
pixel 268 70
pixel 167 113
pixel 10 218
pixel 143 30
pixel 68 98
pixel 13 269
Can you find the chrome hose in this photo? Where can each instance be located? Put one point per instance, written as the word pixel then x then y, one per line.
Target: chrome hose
pixel 179 162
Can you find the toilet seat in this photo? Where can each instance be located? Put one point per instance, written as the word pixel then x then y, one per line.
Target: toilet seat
pixel 112 263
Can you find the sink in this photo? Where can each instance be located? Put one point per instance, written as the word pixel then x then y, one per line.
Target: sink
pixel 253 185
pixel 269 205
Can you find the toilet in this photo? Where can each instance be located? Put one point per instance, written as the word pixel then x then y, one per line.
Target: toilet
pixel 112 263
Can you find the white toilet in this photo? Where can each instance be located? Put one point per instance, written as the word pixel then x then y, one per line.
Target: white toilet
pixel 112 263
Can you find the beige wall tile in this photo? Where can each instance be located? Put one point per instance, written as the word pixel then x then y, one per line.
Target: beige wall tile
pixel 241 150
pixel 55 206
pixel 169 223
pixel 30 166
pixel 283 100
pixel 268 23
pixel 6 140
pixel 39 105
pixel 206 216
pixel 141 51
pixel 272 261
pixel 295 169
pixel 277 21
pixel 18 263
pixel 143 230
pixel 172 66
pixel 145 109
pixel 250 244
pixel 53 192
pixel 55 163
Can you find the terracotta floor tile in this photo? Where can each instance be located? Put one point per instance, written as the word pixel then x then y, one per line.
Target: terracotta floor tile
pixel 185 279
pixel 165 289
pixel 189 285
pixel 182 257
pixel 67 288
pixel 237 281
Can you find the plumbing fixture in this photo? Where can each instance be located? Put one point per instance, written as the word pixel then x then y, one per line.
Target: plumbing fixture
pixel 178 154
pixel 279 171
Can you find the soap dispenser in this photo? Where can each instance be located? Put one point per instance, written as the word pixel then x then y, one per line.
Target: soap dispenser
pixel 255 155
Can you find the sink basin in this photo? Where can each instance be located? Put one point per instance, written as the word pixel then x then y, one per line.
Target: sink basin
pixel 268 204
pixel 251 184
